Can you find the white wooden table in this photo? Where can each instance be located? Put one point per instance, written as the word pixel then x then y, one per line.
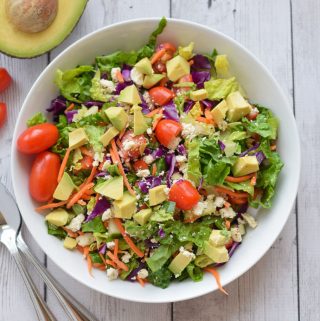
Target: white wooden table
pixel 284 285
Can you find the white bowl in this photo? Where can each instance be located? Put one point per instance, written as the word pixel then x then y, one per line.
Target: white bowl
pixel 260 86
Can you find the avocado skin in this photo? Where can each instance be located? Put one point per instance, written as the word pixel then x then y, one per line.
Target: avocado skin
pixel 55 46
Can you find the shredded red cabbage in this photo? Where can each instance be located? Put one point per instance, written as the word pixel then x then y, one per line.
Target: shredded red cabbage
pixel 188 106
pixel 126 72
pixel 199 77
pixel 182 150
pixel 144 105
pixel 249 150
pixel 132 276
pixel 122 85
pixel 149 182
pixel 101 206
pixel 57 107
pixel 159 152
pixel 209 103
pixel 200 62
pixel 170 111
pixel 221 145
pixel 233 248
pixel 92 103
pixel 260 157
pixel 103 249
pixel 161 233
pixel 200 184
pixel 69 114
pixel 171 162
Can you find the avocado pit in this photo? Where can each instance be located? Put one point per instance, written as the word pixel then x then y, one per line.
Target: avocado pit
pixel 31 16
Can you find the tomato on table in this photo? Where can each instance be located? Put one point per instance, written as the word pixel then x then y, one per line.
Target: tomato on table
pixel 167 131
pixel 133 146
pixel 161 95
pixel 38 138
pixel 3 113
pixel 5 79
pixel 140 164
pixel 43 177
pixel 184 194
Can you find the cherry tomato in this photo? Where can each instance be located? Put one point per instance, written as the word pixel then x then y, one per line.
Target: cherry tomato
pixel 140 164
pixel 133 146
pixel 252 116
pixel 159 67
pixel 184 194
pixel 161 95
pixel 43 177
pixel 5 79
pixel 168 47
pixel 229 244
pixel 3 113
pixel 37 138
pixel 167 131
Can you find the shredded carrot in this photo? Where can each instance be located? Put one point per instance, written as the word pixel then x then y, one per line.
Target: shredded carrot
pixel 50 205
pixel 117 261
pixel 238 201
pixel 120 167
pixel 99 266
pixel 228 224
pixel 85 198
pixel 154 169
pixel 63 164
pixel 119 76
pixel 154 112
pixel 74 199
pixel 85 151
pixel 82 203
pixel 126 237
pixel 91 176
pixel 208 114
pixel 71 106
pixel 239 179
pixel 157 56
pixel 70 233
pixel 80 232
pixel 224 190
pixel 141 281
pixel 273 147
pixel 204 120
pixel 191 62
pixel 227 204
pixel 102 258
pixel 116 248
pixel 80 249
pixel 216 275
pixel 123 131
pixel 109 262
pixel 86 251
pixel 89 262
pixel 157 120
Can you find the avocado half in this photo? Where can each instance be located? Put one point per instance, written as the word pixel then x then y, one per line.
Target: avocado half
pixel 20 44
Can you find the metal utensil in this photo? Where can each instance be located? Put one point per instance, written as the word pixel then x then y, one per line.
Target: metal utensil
pixel 73 309
pixel 8 238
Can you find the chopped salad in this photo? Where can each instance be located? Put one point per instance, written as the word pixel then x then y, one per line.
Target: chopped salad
pixel 152 162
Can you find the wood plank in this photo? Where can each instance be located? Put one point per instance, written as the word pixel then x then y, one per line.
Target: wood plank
pixel 269 290
pixel 24 72
pixel 306 50
pixel 97 15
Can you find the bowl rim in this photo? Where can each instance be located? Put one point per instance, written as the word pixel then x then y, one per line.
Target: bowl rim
pixel 295 134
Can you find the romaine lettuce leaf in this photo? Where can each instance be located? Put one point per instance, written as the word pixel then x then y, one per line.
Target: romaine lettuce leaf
pixel 243 186
pixel 160 278
pixel 94 133
pixel 95 226
pixel 216 172
pixel 193 168
pixel 36 119
pixel 159 257
pixel 97 92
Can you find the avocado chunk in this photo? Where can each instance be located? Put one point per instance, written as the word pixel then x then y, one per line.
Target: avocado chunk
pixel 245 165
pixel 219 238
pixel 150 80
pixel 157 195
pixel 186 52
pixel 106 138
pixel 177 67
pixel 179 263
pixel 58 217
pixel 64 188
pixel 219 254
pixel 144 66
pixel 27 45
pixel 130 95
pixel 237 106
pixel 222 66
pixel 112 188
pixel 77 138
pixel 219 112
pixel 196 110
pixel 142 216
pixel 125 207
pixel 139 123
pixel 199 95
pixel 70 243
pixel 113 229
pixel 118 117
pixel 203 261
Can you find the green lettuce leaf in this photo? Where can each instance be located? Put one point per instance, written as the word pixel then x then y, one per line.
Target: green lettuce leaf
pixel 161 216
pixel 159 257
pixel 94 133
pixel 141 232
pixel 56 231
pixel 98 92
pixel 160 278
pixel 95 226
pixel 75 84
pixel 95 258
pixel 243 186
pixel 221 88
pixel 195 273
pixel 216 173
pixel 193 168
pixel 36 119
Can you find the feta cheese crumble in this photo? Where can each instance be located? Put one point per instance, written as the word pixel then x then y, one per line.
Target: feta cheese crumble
pixel 85 239
pixel 136 76
pixel 110 245
pixel 125 258
pixel 235 234
pixel 108 85
pixel 106 215
pixel 143 173
pixel 148 159
pixel 227 212
pixel 143 274
pixel 75 223
pixel 186 253
pixel 114 72
pixel 250 220
pixel 112 274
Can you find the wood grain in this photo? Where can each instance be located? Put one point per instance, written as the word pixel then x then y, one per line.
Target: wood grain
pixel 268 292
pixel 306 50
